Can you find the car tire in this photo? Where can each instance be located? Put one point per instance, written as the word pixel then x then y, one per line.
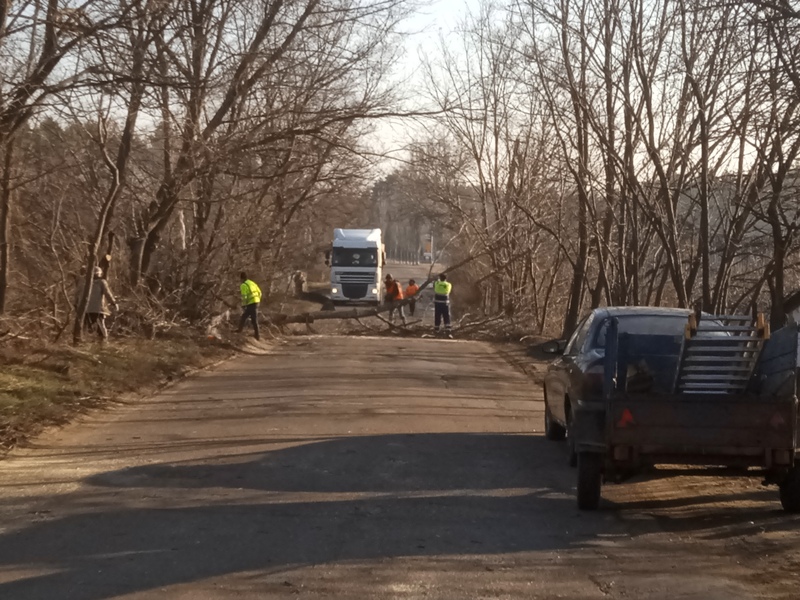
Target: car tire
pixel 590 480
pixel 552 429
pixel 790 491
pixel 573 453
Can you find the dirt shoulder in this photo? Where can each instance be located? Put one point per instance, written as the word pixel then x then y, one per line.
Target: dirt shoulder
pixel 48 384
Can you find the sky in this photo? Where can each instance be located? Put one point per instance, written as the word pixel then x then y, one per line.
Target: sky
pixel 434 20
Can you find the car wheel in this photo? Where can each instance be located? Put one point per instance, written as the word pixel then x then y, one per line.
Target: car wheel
pixel 552 430
pixel 573 454
pixel 590 480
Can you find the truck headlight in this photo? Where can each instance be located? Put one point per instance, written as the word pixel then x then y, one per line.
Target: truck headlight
pixel 374 291
pixel 334 291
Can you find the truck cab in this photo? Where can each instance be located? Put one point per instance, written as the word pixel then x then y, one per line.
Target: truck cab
pixel 356 260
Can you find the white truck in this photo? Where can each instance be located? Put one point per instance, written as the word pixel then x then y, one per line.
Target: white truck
pixel 356 259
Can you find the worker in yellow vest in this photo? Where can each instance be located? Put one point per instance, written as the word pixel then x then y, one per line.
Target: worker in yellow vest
pixel 441 304
pixel 251 298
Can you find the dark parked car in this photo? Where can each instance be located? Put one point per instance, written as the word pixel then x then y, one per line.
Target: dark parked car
pixel 577 375
pixel 640 387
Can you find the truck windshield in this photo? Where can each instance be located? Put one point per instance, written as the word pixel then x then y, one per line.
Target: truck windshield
pixel 354 257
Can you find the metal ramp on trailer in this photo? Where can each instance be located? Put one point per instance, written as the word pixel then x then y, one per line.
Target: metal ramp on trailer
pixel 719 353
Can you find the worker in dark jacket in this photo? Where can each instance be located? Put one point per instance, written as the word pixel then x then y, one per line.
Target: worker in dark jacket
pixel 251 298
pixel 392 297
pixel 441 304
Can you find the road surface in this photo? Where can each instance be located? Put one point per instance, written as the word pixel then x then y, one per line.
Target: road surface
pixel 339 467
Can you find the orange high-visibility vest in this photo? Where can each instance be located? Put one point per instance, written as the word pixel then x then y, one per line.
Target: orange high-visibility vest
pixel 394 291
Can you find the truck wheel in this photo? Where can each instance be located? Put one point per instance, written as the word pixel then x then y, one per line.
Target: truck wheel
pixel 590 480
pixel 552 430
pixel 790 491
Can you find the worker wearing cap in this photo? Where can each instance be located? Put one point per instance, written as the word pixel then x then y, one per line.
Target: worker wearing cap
pixel 392 297
pixel 441 304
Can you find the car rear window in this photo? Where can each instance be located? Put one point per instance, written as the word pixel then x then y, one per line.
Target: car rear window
pixel 643 324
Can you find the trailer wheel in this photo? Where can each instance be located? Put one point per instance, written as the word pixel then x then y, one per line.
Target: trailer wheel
pixel 790 491
pixel 552 430
pixel 590 480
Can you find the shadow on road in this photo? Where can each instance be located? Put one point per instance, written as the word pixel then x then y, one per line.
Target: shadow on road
pixel 381 464
pixel 410 495
pixel 342 499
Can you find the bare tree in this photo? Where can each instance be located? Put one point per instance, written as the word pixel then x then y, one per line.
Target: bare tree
pixel 35 38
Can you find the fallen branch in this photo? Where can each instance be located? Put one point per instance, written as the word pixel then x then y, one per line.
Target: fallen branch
pixel 480 324
pixel 365 326
pixel 404 327
pixel 360 313
pixel 8 336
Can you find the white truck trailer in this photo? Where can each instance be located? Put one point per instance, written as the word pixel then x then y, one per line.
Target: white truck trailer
pixel 356 259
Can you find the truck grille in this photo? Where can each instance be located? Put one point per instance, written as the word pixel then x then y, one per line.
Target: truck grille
pixel 356 277
pixel 354 291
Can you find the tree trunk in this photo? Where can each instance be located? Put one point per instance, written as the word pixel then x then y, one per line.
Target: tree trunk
pixel 578 274
pixel 777 316
pixel 5 223
pixel 118 170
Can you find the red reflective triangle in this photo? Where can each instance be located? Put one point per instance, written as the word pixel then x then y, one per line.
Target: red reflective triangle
pixel 626 419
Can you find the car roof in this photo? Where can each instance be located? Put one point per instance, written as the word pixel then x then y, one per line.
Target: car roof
pixel 640 311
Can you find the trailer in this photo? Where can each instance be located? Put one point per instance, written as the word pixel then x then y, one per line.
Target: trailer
pixel 723 395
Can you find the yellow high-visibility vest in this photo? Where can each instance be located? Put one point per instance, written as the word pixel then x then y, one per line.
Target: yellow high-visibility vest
pixel 251 293
pixel 442 287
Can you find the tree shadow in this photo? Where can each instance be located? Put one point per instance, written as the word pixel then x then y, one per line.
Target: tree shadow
pixel 712 513
pixel 359 498
pixel 381 464
pixel 368 498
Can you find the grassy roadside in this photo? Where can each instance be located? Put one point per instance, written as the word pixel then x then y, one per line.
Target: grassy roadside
pixel 46 384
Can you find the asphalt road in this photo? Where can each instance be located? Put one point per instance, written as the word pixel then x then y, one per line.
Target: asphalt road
pixel 339 467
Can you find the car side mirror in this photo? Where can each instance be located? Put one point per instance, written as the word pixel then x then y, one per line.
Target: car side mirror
pixel 554 347
pixel 328 258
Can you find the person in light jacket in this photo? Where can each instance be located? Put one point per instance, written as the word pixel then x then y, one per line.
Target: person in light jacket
pixel 98 307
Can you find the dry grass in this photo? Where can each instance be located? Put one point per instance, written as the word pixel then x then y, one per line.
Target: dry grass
pixel 45 384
